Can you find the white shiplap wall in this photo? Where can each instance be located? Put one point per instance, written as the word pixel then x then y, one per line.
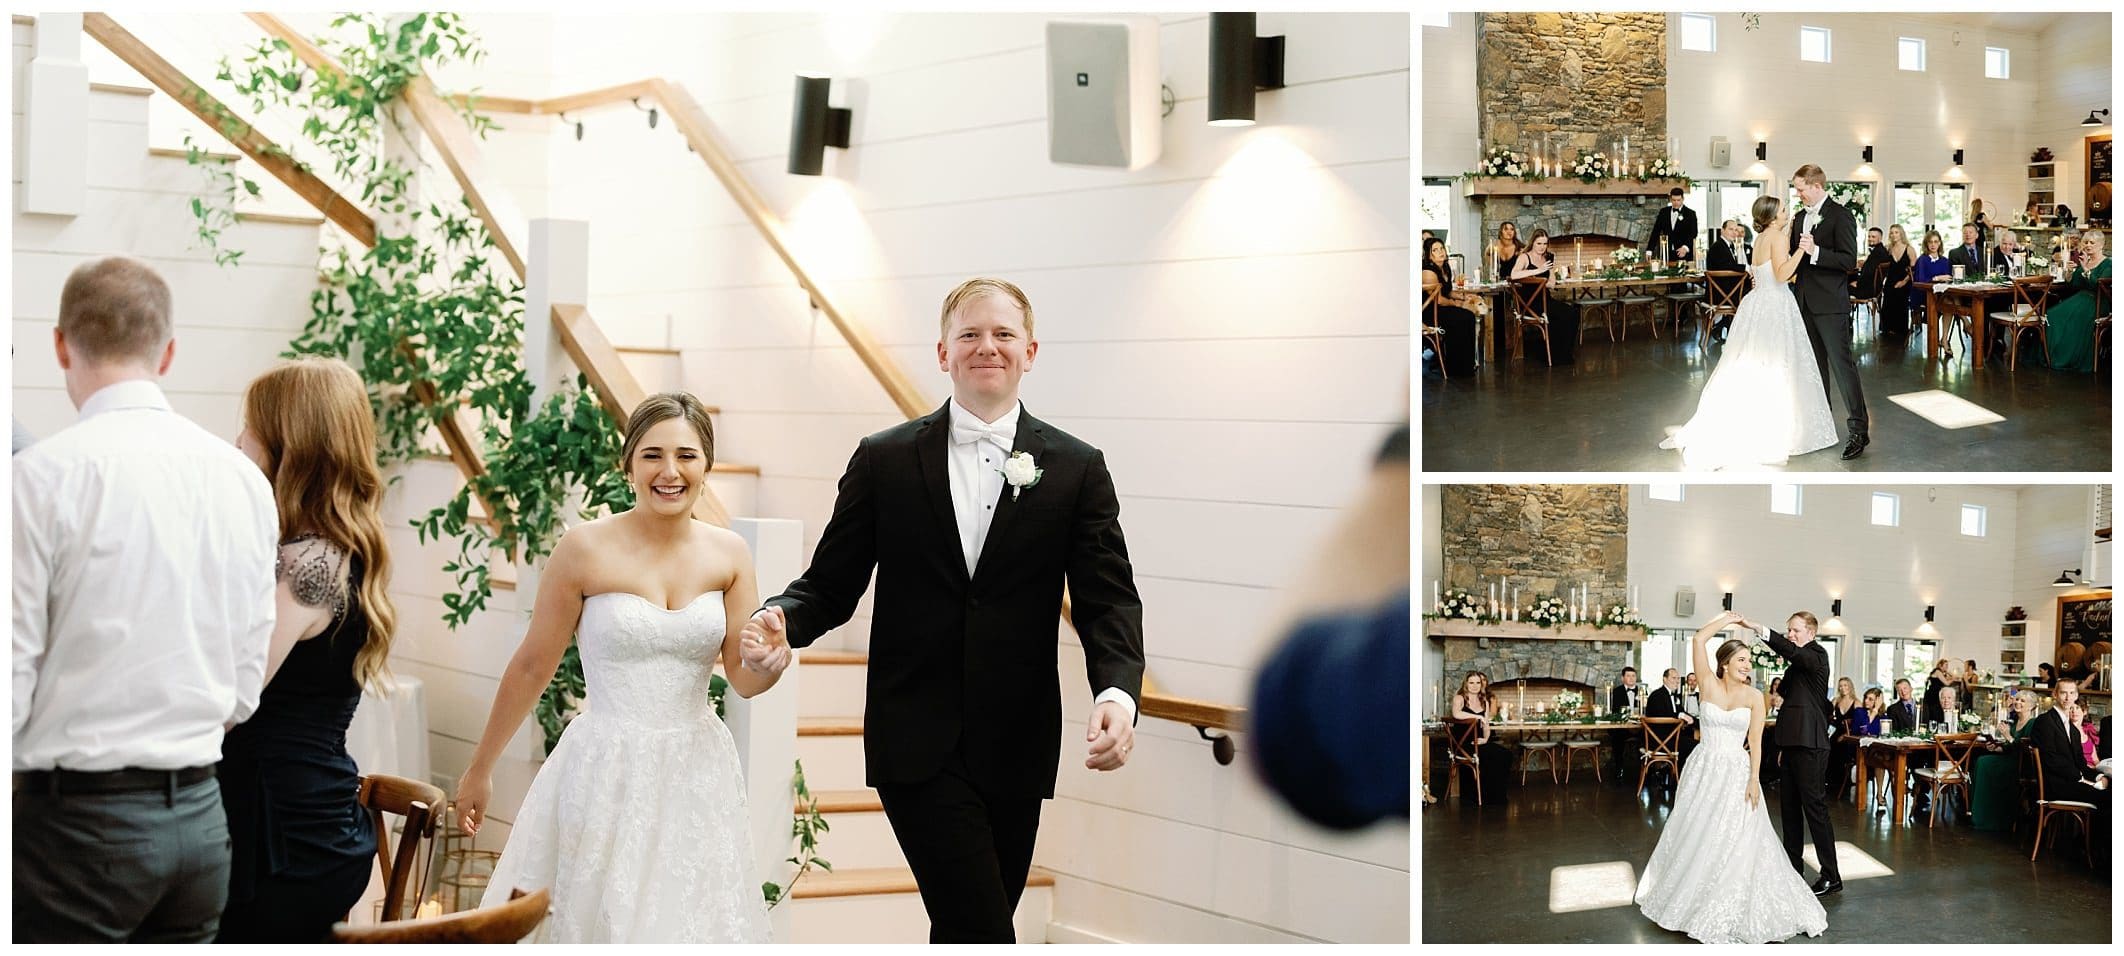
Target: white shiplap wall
pixel 1229 324
pixel 2056 535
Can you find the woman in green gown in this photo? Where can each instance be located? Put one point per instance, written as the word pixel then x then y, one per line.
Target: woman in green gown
pixel 1997 773
pixel 2072 321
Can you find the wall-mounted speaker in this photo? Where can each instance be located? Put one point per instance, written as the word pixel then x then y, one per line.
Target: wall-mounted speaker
pixel 1103 107
pixel 1685 603
pixel 1721 152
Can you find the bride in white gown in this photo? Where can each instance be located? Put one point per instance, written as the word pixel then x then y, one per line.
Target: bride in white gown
pixel 1764 402
pixel 1719 873
pixel 637 820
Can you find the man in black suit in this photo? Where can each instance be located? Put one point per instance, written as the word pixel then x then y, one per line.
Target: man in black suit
pixel 1802 740
pixel 1667 701
pixel 2063 755
pixel 973 516
pixel 1970 254
pixel 1730 252
pixel 1674 232
pixel 1822 236
pixel 1903 714
pixel 1626 745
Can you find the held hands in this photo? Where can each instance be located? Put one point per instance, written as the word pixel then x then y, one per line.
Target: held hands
pixel 1110 736
pixel 1806 243
pixel 763 643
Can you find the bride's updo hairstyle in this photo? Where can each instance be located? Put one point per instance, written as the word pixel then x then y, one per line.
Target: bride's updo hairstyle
pixel 1765 211
pixel 1735 646
pixel 667 405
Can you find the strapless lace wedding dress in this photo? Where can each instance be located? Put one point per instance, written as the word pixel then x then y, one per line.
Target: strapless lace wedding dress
pixel 637 820
pixel 1764 401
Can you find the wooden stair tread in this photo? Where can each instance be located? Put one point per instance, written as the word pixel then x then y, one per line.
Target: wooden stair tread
pixel 177 153
pixel 730 468
pixel 878 880
pixel 280 218
pixel 644 350
pixel 847 801
pixel 829 726
pixel 823 656
pixel 120 88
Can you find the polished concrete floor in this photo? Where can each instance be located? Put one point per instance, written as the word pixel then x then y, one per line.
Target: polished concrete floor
pixel 1608 411
pixel 1487 874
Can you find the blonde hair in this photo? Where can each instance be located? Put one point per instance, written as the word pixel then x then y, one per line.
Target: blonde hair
pixel 661 407
pixel 1813 174
pixel 981 287
pixel 115 309
pixel 312 421
pixel 1897 238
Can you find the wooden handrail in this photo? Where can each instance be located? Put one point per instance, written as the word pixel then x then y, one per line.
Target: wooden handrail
pixel 572 103
pixel 337 209
pixel 577 332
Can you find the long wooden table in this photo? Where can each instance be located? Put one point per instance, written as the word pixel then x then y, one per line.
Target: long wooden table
pixel 1569 289
pixel 1964 300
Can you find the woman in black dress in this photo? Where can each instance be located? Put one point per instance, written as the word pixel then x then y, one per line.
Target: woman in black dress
pixel 1501 252
pixel 1473 702
pixel 1563 316
pixel 1453 313
pixel 1895 282
pixel 301 848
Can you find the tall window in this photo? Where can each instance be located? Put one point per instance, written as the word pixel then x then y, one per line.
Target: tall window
pixel 1995 63
pixel 1935 206
pixel 1814 44
pixel 1664 491
pixel 1835 647
pixel 1434 207
pixel 1973 520
pixel 1908 658
pixel 1658 652
pixel 1910 54
pixel 1699 31
pixel 1716 201
pixel 1785 499
pixel 1887 508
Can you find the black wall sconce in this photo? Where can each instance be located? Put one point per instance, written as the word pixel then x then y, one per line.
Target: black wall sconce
pixel 2091 121
pixel 2067 579
pixel 1727 601
pixel 813 126
pixel 1866 155
pixel 1240 63
pixel 1836 607
pixel 1928 613
pixel 1762 151
pixel 1958 157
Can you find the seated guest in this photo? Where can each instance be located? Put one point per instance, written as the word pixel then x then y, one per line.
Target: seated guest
pixel 2072 321
pixel 2058 746
pixel 1970 254
pixel 1666 701
pixel 1625 745
pixel 2090 734
pixel 1730 252
pixel 1931 264
pixel 1500 253
pixel 1996 774
pixel 1903 714
pixel 1951 708
pixel 1861 719
pixel 2005 251
pixel 1876 257
pixel 1845 701
pixel 1473 702
pixel 1563 316
pixel 143 608
pixel 1777 700
pixel 1901 260
pixel 2046 675
pixel 1454 312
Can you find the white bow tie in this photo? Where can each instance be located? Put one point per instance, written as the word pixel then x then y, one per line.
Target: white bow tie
pixel 966 433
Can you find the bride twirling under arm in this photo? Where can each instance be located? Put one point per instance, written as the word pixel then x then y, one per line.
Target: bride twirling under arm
pixel 1718 872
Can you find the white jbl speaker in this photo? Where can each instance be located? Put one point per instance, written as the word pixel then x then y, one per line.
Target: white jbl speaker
pixel 1685 603
pixel 1721 152
pixel 1102 92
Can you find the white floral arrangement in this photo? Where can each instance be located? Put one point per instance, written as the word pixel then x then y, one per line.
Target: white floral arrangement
pixel 1458 603
pixel 1590 166
pixel 2038 262
pixel 1661 168
pixel 1762 658
pixel 1619 615
pixel 1629 257
pixel 1569 701
pixel 1502 161
pixel 1970 719
pixel 1547 612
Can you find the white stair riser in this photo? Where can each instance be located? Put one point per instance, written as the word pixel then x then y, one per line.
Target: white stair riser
pixel 831 690
pixel 656 372
pixel 739 493
pixel 860 841
pixel 832 763
pixel 897 918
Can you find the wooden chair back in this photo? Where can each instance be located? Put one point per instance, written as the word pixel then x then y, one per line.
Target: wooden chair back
pixel 2031 298
pixel 1461 734
pixel 507 923
pixel 1433 298
pixel 1662 737
pixel 1954 754
pixel 421 804
pixel 1531 296
pixel 1725 290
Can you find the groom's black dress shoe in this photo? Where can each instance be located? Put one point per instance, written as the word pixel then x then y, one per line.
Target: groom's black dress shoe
pixel 1827 885
pixel 1856 446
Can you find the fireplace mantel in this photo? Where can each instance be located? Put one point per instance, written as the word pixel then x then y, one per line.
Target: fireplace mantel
pixel 1566 186
pixel 1441 629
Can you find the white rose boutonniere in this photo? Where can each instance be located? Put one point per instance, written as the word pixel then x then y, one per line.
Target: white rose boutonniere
pixel 1020 473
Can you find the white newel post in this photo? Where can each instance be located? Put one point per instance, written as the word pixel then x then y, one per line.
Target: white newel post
pixel 765 726
pixel 55 129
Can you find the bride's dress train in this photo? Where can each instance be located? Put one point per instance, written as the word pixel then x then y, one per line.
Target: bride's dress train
pixel 1719 873
pixel 1764 401
pixel 637 820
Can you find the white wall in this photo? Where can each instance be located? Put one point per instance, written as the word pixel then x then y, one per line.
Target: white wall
pixel 2072 77
pixel 2056 535
pixel 1450 129
pixel 1429 517
pixel 1238 306
pixel 1755 87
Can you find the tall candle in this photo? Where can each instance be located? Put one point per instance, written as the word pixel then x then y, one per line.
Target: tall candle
pixel 1437 599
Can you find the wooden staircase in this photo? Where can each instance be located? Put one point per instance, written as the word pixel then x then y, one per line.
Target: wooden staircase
pixel 870 896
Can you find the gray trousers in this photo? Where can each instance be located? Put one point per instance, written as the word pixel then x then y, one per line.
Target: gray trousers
pixel 145 867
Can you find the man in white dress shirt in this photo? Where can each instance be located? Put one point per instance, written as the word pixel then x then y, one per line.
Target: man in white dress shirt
pixel 143 599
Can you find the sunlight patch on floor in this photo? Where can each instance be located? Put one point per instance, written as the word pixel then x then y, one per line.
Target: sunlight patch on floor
pixel 1591 886
pixel 1944 410
pixel 1852 863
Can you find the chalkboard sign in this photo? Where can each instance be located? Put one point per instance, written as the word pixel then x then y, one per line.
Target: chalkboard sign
pixel 2098 160
pixel 2083 622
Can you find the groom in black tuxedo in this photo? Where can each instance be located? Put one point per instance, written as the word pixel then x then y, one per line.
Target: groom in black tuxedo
pixel 1674 230
pixel 1822 235
pixel 972 517
pixel 1802 740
